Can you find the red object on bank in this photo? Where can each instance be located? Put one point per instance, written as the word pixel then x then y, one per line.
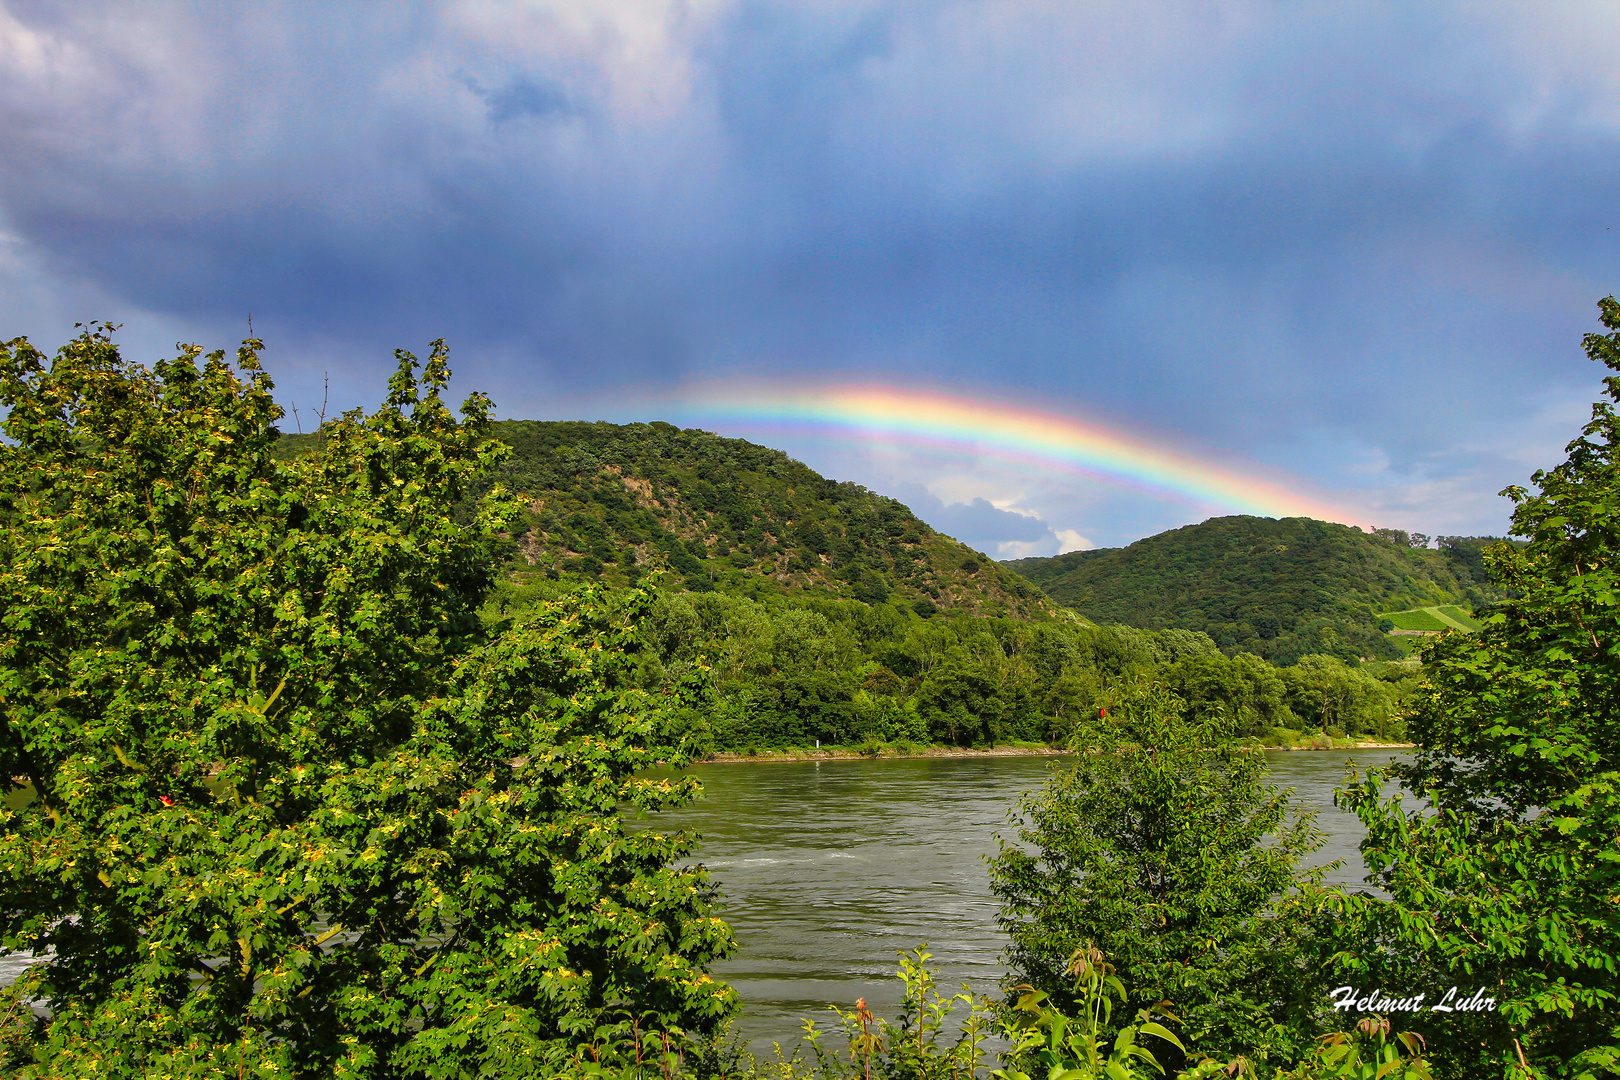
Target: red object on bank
pixel 165 800
pixel 1103 713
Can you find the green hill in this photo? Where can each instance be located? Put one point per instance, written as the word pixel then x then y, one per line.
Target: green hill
pixel 1279 588
pixel 612 501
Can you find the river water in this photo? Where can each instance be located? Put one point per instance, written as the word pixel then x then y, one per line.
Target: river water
pixel 831 868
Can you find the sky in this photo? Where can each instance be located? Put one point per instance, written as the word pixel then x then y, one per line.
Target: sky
pixel 1342 254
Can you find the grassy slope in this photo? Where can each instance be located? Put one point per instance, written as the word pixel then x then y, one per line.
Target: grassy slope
pixel 1422 619
pixel 1434 618
pixel 613 501
pixel 1279 588
pixel 1459 616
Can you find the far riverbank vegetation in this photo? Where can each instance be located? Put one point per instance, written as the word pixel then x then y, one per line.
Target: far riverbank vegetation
pixel 782 675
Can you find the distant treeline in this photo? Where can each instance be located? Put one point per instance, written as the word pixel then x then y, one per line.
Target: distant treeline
pixel 787 672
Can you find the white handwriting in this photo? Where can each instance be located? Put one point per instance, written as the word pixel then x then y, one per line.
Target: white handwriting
pixel 1349 999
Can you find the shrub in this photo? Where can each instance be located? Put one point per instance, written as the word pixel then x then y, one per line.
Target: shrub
pixel 1166 849
pixel 296 810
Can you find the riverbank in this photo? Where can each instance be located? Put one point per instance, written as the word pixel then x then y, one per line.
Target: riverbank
pixel 1323 742
pixel 1345 744
pixel 869 753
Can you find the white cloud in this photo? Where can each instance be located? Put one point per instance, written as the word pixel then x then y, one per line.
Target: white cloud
pixel 1069 540
pixel 1023 549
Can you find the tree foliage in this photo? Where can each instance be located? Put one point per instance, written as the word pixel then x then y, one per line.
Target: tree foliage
pixel 1508 877
pixel 787 671
pixel 1167 850
pixel 295 810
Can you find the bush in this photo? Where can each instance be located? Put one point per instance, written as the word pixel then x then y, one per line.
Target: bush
pixel 1080 1042
pixel 296 810
pixel 1166 849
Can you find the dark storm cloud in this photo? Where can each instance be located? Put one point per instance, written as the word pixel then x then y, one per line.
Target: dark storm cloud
pixel 1350 240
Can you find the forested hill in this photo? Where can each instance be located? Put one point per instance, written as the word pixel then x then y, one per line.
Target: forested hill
pixel 1279 588
pixel 613 501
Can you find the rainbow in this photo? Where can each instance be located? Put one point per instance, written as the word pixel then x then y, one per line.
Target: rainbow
pixel 1010 432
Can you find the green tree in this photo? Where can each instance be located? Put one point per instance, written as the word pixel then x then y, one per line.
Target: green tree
pixel 1165 848
pixel 1507 877
pixel 295 810
pixel 1243 688
pixel 964 706
pixel 1328 695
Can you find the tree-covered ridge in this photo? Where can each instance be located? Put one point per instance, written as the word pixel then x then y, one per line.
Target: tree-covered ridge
pixel 1281 589
pixel 611 501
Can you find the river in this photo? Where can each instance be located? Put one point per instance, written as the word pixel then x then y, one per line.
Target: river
pixel 831 868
